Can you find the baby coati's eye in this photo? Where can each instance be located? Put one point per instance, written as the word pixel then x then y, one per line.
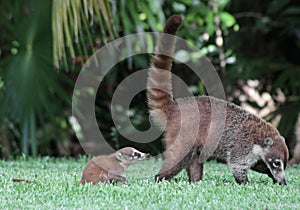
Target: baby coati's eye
pixel 136 155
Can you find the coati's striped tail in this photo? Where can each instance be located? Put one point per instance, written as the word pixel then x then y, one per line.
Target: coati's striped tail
pixel 159 86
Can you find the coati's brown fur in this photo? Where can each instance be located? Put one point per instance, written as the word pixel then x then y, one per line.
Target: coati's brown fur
pixel 111 168
pixel 244 142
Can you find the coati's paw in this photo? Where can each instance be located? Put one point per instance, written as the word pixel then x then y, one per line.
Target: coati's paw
pixel 241 181
pixel 159 178
pixel 117 179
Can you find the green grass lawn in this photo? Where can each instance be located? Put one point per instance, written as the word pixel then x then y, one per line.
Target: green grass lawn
pixel 56 186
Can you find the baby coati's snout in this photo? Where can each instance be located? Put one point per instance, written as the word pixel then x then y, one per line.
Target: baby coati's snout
pixel 129 155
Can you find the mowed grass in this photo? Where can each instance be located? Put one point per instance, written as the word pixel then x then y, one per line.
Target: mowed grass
pixel 56 186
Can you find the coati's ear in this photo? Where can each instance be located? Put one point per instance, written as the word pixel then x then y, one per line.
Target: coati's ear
pixel 268 142
pixel 119 156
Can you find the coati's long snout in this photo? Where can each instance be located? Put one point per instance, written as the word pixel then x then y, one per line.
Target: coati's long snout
pixel 277 171
pixel 280 178
pixel 276 158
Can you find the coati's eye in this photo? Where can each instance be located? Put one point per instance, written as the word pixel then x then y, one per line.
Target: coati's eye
pixel 136 155
pixel 277 163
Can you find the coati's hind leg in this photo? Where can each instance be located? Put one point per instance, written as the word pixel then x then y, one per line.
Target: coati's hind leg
pixel 173 164
pixel 195 170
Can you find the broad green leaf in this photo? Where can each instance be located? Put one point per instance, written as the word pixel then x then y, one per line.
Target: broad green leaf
pixel 227 19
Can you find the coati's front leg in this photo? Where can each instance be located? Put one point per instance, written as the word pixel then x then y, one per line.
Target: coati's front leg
pixel 195 170
pixel 173 164
pixel 240 174
pixel 240 162
pixel 114 178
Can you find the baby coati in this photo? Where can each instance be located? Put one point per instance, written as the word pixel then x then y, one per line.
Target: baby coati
pixel 111 168
pixel 244 141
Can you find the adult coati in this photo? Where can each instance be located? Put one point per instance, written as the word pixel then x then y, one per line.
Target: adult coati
pixel 111 168
pixel 244 141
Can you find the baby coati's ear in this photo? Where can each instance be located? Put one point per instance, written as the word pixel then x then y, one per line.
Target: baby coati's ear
pixel 120 156
pixel 268 142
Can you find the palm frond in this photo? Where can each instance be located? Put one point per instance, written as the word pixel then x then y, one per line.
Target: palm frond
pixel 72 27
pixel 30 84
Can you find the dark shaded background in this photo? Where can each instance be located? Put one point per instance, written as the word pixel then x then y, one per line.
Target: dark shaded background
pixel 261 49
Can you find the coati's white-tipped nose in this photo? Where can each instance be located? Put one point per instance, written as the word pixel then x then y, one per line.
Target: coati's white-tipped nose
pixel 276 167
pixel 145 156
pixel 282 182
pixel 280 178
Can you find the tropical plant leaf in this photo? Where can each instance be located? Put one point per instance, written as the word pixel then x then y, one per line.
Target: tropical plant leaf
pixel 30 81
pixel 72 25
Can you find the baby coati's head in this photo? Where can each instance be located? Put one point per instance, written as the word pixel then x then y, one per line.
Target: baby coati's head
pixel 274 154
pixel 130 155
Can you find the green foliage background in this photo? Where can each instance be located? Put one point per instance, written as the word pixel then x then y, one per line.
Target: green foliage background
pixel 43 46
